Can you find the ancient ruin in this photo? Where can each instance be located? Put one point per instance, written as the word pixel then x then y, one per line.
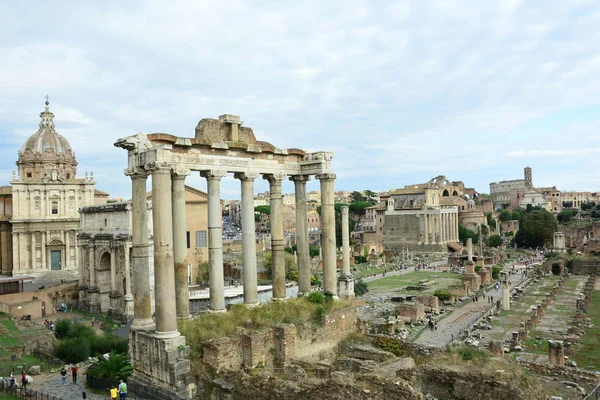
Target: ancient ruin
pixel 220 146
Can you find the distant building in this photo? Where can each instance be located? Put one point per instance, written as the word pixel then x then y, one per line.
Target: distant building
pixel 501 191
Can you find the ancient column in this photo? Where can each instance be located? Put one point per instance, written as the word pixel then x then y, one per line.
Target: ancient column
pixel 128 296
pixel 43 240
pixel 426 224
pixel 33 255
pixel 113 269
pixel 67 250
pixel 248 237
pixel 302 245
pixel 277 253
pixel 346 280
pixel 328 233
pixel 440 228
pixel 4 233
pixel 164 274
pixel 92 266
pixel 556 353
pixel 142 306
pixel 505 292
pixel 215 239
pixel 182 294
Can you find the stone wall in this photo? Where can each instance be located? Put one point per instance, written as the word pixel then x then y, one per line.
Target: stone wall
pixel 280 344
pixel 39 303
pixel 586 267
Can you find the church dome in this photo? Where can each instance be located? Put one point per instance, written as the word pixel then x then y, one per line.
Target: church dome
pixel 46 138
pixel 46 155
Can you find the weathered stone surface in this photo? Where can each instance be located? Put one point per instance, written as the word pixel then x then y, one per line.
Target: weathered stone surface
pixel 365 352
pixel 35 370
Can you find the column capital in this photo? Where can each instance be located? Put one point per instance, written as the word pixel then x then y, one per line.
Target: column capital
pixel 136 173
pixel 246 176
pixel 300 178
pixel 325 176
pixel 213 174
pixel 274 179
pixel 179 173
pixel 159 167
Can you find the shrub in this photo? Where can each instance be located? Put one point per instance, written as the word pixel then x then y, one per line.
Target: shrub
pixel 116 366
pixel 73 350
pixel 62 328
pixel 107 343
pixel 82 331
pixel 468 353
pixel 496 272
pixel 392 345
pixel 316 297
pixel 360 259
pixel 442 294
pixel 360 288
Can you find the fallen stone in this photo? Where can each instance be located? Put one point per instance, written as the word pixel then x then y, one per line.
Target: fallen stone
pixel 35 370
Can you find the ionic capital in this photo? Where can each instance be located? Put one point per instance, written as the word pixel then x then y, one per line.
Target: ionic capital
pixel 179 173
pixel 300 178
pixel 325 176
pixel 213 174
pixel 274 179
pixel 136 173
pixel 246 176
pixel 159 167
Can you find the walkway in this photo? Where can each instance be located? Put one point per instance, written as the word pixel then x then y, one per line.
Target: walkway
pixel 464 317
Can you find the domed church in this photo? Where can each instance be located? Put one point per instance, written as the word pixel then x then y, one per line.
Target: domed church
pixel 39 216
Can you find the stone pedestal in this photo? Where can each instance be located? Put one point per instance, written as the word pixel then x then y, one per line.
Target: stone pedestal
pixel 346 286
pixel 471 277
pixel 496 348
pixel 556 353
pixel 160 370
pixel 83 296
pixel 93 299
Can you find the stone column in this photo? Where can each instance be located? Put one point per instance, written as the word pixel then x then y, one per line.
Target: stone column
pixel 440 228
pixel 164 274
pixel 4 234
pixel 33 255
pixel 92 266
pixel 277 256
pixel 328 233
pixel 43 249
pixel 67 250
pixel 346 280
pixel 142 305
pixel 302 245
pixel 248 237
pixel 505 292
pixel 182 294
pixel 113 269
pixel 215 239
pixel 426 219
pixel 16 245
pixel 128 295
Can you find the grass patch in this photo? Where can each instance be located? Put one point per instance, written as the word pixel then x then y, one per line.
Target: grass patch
pixel 412 278
pixel 10 325
pixel 587 352
pixel 535 346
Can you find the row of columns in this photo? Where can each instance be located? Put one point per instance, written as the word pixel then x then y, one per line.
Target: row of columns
pixel 443 227
pixel 170 266
pixel 24 260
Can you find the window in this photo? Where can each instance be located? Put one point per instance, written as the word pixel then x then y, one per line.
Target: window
pixel 105 222
pixel 201 239
pixel 187 239
pixel 29 174
pixel 55 207
pixel 68 176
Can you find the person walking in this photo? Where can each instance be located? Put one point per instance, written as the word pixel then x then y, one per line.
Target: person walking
pixel 74 370
pixel 114 393
pixel 122 390
pixel 24 380
pixel 63 375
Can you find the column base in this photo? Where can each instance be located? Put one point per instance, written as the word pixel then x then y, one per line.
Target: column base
pixel 167 335
pixel 278 298
pixel 251 305
pixel 211 311
pixel 143 325
pixel 346 286
pixel 160 368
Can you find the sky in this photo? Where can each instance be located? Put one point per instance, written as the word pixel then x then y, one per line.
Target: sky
pixel 401 91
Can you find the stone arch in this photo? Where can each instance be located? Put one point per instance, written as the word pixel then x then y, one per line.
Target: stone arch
pixel 104 261
pixel 455 193
pixel 445 193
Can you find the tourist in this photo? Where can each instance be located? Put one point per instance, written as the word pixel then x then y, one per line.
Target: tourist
pixel 93 319
pixel 74 370
pixel 63 375
pixel 484 294
pixel 11 378
pixel 114 392
pixel 123 390
pixel 24 381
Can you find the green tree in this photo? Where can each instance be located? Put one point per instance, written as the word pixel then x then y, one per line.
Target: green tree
pixel 537 228
pixel 588 206
pixel 495 241
pixel 291 269
pixel 505 215
pixel 490 219
pixel 564 216
pixel 370 196
pixel 484 229
pixel 567 204
pixel 464 234
pixel 358 210
pixel 263 209
pixel 202 276
pixel 356 197
pixel 338 222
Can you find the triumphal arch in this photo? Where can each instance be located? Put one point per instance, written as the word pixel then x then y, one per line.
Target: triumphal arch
pixel 219 147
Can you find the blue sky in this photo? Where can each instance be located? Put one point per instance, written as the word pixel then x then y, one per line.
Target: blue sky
pixel 400 91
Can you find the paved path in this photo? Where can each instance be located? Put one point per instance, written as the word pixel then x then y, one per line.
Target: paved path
pixel 394 272
pixel 53 386
pixel 464 317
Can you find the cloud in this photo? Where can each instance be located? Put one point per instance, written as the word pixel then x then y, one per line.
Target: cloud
pixel 401 91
